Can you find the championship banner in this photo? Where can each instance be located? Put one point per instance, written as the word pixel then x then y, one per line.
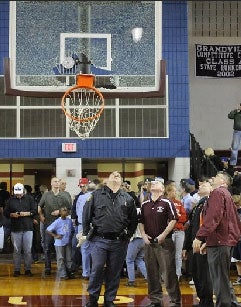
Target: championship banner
pixel 218 61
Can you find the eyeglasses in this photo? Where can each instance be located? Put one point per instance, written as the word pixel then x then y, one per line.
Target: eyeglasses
pixel 64 209
pixel 82 186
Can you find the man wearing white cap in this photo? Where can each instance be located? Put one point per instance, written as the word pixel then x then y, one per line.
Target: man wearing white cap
pixel 21 209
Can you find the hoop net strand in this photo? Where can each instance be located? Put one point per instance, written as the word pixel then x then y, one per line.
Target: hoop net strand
pixel 83 107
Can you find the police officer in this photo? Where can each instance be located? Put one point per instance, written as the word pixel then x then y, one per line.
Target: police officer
pixel 109 220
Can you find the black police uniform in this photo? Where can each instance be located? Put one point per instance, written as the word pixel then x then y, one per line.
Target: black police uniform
pixel 109 220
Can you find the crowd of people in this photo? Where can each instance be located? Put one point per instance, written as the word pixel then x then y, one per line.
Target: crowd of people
pixel 164 231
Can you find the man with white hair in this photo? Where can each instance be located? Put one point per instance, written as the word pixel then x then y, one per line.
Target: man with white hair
pixel 62 189
pixel 21 209
pixel 49 207
pixel 158 218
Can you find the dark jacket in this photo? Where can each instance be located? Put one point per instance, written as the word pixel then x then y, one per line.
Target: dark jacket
pixel 221 224
pixel 236 116
pixel 109 212
pixel 194 223
pixel 25 204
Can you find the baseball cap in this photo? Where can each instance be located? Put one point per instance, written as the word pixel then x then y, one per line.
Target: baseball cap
pixel 18 189
pixel 83 181
pixel 127 182
pixel 190 181
pixel 159 179
pixel 149 180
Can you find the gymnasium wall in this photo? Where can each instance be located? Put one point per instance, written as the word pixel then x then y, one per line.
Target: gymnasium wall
pixel 175 52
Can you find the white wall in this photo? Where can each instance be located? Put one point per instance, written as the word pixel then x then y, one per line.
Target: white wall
pixel 211 100
pixel 62 167
pixel 178 168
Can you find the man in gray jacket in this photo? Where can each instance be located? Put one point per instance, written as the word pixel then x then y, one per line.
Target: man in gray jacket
pixel 236 116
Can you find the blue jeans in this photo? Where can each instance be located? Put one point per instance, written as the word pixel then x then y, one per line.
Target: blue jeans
pixel 22 240
pixel 85 251
pixel 235 147
pixel 86 258
pixel 178 239
pixel 76 255
pixel 135 256
pixel 64 259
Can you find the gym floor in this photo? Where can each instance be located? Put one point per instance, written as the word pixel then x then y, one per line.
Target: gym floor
pixel 49 291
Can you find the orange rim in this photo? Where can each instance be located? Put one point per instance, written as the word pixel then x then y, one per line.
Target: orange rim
pixel 87 118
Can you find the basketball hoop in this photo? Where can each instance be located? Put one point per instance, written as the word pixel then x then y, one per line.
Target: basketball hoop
pixel 82 105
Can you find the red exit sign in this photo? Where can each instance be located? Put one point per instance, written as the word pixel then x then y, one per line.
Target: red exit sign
pixel 68 147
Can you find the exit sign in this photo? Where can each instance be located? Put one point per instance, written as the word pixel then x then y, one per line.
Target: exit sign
pixel 68 147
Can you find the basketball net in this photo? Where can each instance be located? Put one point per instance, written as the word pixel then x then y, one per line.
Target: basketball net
pixel 83 105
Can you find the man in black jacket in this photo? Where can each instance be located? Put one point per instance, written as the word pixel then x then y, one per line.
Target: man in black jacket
pixel 200 270
pixel 21 209
pixel 109 220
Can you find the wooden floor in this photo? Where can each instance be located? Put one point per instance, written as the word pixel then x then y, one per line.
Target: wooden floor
pixel 48 291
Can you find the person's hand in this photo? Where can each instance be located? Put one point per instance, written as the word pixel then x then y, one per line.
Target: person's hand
pixel 42 218
pixel 58 236
pixel 196 244
pixel 81 239
pixel 35 222
pixel 23 213
pixel 55 213
pixel 146 239
pixel 203 249
pixel 184 254
pixel 186 225
pixel 161 238
pixel 15 214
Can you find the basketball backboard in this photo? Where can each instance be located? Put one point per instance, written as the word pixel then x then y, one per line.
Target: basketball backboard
pixel 49 40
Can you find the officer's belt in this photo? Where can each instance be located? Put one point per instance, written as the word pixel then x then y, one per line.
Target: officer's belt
pixel 109 235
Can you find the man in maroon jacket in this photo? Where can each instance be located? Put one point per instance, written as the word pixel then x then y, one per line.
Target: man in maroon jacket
pixel 219 232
